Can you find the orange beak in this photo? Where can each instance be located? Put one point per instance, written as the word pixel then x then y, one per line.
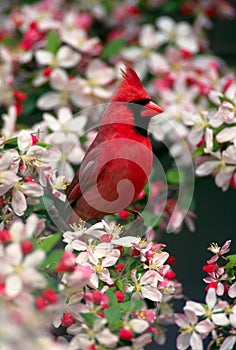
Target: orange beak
pixel 151 109
pixel 154 106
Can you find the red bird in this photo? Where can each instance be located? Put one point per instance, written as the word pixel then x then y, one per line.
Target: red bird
pixel 118 163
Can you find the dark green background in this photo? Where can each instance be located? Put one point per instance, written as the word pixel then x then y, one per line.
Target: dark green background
pixel 216 210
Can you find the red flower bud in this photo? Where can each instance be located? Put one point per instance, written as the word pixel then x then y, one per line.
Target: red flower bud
pixel 121 249
pixel 67 319
pixel 119 267
pixel 124 214
pixel 134 252
pixel 41 303
pixel 211 285
pixel 50 295
pixel 126 334
pixel 210 267
pixel 119 296
pixel 47 72
pixel 171 260
pixel 5 236
pixel 170 275
pixel 27 247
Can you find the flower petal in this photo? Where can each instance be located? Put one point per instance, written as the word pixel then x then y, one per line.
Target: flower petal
pixel 196 341
pixel 138 326
pixel 13 285
pixel 108 339
pixel 220 319
pixel 24 140
pixel 151 293
pixel 206 168
pixel 44 57
pixel 228 343
pixel 67 57
pixel 232 291
pixel 211 298
pixel 49 100
pixel 18 202
pixel 34 259
pixel 183 341
pixel 59 79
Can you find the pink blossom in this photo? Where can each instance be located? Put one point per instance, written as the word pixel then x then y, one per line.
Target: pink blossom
pixel 214 310
pixel 20 271
pixel 146 285
pixel 218 251
pixel 192 331
pixel 99 265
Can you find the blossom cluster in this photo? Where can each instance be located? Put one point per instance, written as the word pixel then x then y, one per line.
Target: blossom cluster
pixel 217 316
pixel 128 288
pixel 105 289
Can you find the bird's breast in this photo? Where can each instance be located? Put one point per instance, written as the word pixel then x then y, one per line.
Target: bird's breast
pixel 121 167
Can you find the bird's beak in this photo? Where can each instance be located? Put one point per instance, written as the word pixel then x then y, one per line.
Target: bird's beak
pixel 151 109
pixel 154 106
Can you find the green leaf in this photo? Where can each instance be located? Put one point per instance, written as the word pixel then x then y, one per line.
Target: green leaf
pixel 52 260
pixel 232 257
pixel 232 261
pixel 113 314
pixel 10 143
pixel 199 151
pixel 53 42
pixel 171 7
pixel 30 105
pixel 119 284
pixel 113 48
pixel 89 318
pixel 131 306
pixel 111 296
pixel 116 326
pixel 48 243
pixel 45 145
pixel 174 176
pixel 132 264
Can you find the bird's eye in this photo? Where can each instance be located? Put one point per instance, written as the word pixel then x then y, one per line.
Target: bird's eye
pixel 141 102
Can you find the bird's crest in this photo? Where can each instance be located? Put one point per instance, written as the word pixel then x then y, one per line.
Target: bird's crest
pixel 130 76
pixel 131 88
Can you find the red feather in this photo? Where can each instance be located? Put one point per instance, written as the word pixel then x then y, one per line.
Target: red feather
pixel 117 165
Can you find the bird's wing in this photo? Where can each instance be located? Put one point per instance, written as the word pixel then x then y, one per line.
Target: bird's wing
pixel 86 176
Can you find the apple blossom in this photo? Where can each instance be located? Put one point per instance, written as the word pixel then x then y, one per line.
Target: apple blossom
pixel 8 177
pixel 146 285
pixel 180 34
pixel 192 331
pixel 19 272
pixel 65 57
pixel 99 264
pixel 214 310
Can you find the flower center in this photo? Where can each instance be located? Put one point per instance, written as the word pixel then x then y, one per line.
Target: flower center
pixel 138 287
pixel 188 329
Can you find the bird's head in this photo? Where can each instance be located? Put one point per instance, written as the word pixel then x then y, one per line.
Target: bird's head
pixel 132 91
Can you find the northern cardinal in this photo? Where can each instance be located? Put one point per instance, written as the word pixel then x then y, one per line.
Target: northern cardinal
pixel 117 165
